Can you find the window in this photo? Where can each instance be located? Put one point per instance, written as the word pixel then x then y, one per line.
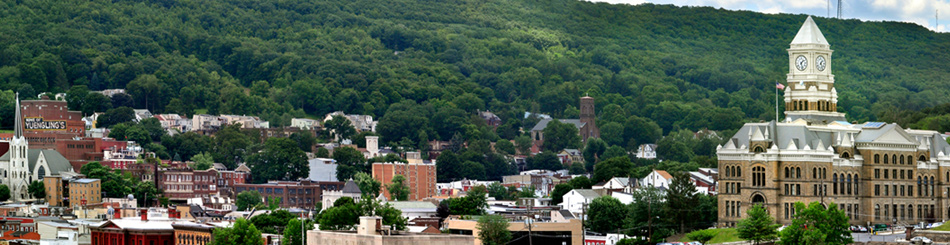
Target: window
pixel 877 190
pixel 798 173
pixel 902 174
pixel 877 173
pixel 885 158
pixel 814 173
pixel 910 190
pixel 894 159
pixel 786 172
pixel 885 173
pixel 886 190
pixel 758 176
pixel 877 158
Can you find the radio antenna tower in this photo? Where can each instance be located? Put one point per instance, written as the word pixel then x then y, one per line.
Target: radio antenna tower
pixel 839 9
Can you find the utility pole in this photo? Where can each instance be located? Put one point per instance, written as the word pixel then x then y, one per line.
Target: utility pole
pixel 530 222
pixel 583 222
pixel 839 9
pixel 650 216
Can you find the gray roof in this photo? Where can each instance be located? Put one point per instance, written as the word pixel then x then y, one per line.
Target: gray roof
pixel 544 123
pixel 351 187
pixel 57 163
pixel 787 134
pixel 566 214
pixel 587 193
pixel 402 205
pixel 890 133
pixel 809 34
pixel 83 181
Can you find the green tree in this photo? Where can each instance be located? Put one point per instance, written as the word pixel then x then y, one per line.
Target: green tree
pixel 293 233
pixel 614 151
pixel 322 153
pixel 398 189
pixel 76 96
pixel 613 167
pixel 498 191
pixel 581 182
pixel 340 127
pixel 602 214
pixel 557 195
pixel 505 147
pixel 280 159
pixel 349 162
pixel 247 200
pixel 37 189
pixel 681 200
pixel 471 204
pixel 4 193
pixel 95 102
pixel 523 144
pixel 368 185
pixel 702 236
pixel 241 233
pixel 758 226
pixel 817 225
pixel 544 160
pixel 559 136
pixel 493 230
pixel 202 161
pixel 527 192
pixel 115 116
pixel 644 215
pixel 448 166
pixel 113 183
pixel 230 145
pixel 274 221
pixel 594 151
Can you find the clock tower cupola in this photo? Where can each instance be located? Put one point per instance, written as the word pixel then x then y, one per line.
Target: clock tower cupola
pixel 811 93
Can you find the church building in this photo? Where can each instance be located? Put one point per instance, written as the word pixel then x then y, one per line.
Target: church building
pixel 22 165
pixel 875 172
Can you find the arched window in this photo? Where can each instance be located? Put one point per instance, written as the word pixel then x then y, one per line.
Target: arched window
pixel 798 173
pixel 877 158
pixel 786 172
pixel 922 158
pixel 885 158
pixel 856 181
pixel 902 159
pixel 814 173
pixel 739 171
pixel 910 159
pixel 933 186
pixel 41 172
pixel 758 176
pixel 849 184
pixel 758 149
pixel 894 159
pixel 877 211
pixel 845 155
pixel 834 183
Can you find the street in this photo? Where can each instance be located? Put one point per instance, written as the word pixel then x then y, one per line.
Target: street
pixel 867 237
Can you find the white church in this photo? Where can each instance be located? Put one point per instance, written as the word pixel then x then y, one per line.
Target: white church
pixel 22 165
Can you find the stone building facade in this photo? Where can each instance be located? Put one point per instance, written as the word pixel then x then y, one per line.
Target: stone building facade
pixel 877 173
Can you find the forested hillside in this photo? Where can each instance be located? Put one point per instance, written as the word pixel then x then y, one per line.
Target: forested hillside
pixel 424 67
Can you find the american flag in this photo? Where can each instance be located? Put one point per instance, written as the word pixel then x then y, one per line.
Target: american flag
pixel 779 86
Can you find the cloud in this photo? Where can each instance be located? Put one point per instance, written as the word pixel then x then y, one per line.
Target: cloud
pixel 916 11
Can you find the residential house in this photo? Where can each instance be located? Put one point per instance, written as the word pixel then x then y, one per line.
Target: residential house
pixel 705 180
pixel 570 156
pixel 304 123
pixel 362 123
pixel 577 200
pixel 658 178
pixel 646 151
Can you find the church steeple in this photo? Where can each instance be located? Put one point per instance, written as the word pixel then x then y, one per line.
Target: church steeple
pixel 18 120
pixel 811 93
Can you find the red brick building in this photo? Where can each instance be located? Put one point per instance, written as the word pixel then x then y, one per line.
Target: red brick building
pixel 302 194
pixel 183 183
pixel 420 177
pixel 45 122
pixel 134 231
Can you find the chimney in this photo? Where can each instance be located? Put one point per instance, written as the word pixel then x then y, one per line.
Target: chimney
pixel 144 214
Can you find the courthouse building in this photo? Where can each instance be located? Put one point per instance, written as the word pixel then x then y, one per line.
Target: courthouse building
pixel 875 172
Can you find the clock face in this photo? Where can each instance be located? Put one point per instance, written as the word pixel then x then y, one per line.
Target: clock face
pixel 801 63
pixel 820 63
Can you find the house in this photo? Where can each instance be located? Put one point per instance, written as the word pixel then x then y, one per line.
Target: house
pixel 705 180
pixel 646 151
pixel 322 169
pixel 415 209
pixel 490 118
pixel 142 114
pixel 304 123
pixel 618 184
pixel 350 189
pixel 577 199
pixel 570 156
pixel 362 123
pixel 658 178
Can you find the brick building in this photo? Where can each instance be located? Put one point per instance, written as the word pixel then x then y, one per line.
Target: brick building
pixel 55 192
pixel 45 122
pixel 85 191
pixel 420 177
pixel 193 233
pixel 134 231
pixel 293 194
pixel 875 172
pixel 183 183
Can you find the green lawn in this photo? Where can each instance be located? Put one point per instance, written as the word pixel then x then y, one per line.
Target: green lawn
pixel 201 111
pixel 725 235
pixel 943 227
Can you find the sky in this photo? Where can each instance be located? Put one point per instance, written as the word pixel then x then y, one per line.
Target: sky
pixel 916 11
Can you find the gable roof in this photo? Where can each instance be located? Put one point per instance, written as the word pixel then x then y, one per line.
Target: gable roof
pixel 664 174
pixel 56 162
pixel 809 34
pixel 566 214
pixel 544 123
pixel 586 193
pixel 890 133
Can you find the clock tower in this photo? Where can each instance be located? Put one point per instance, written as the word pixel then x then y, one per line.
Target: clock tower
pixel 811 93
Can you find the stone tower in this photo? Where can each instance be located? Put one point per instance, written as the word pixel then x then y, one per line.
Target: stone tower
pixel 588 117
pixel 16 173
pixel 811 93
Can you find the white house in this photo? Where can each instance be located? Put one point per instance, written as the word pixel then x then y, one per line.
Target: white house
pixel 618 184
pixel 646 151
pixel 322 169
pixel 304 123
pixel 576 199
pixel 415 209
pixel 658 178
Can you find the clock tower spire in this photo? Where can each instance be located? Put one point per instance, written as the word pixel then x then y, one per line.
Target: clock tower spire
pixel 811 93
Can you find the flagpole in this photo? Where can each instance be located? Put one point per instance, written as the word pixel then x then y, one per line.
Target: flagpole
pixel 776 103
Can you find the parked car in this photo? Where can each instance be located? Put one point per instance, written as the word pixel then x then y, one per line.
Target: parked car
pixel 921 240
